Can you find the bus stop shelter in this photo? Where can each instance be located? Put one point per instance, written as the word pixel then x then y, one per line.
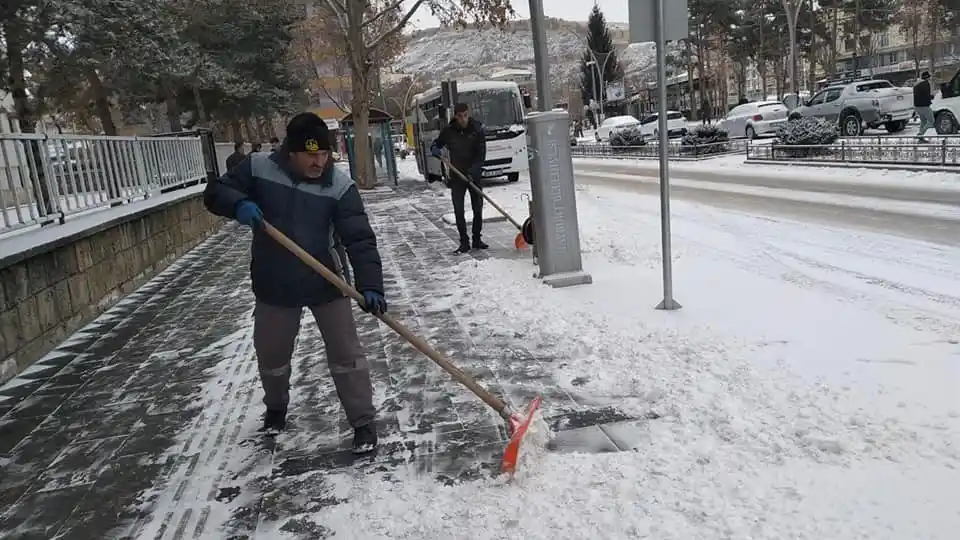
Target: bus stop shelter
pixel 382 159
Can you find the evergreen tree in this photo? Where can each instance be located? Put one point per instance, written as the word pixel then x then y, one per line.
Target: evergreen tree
pixel 602 52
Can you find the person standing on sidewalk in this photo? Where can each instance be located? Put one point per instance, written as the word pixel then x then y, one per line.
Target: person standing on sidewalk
pixel 467 144
pixel 298 190
pixel 922 100
pixel 236 157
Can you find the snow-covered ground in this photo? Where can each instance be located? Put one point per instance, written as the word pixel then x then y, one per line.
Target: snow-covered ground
pixel 806 390
pixel 735 164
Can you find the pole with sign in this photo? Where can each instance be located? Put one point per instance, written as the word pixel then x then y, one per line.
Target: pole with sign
pixel 661 21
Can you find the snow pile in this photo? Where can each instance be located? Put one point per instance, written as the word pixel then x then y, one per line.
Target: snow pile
pixel 769 424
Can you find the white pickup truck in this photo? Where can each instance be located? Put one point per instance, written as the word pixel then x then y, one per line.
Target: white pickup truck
pixel 859 105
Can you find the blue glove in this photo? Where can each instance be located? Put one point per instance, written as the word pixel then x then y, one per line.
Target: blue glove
pixel 436 152
pixel 248 213
pixel 374 302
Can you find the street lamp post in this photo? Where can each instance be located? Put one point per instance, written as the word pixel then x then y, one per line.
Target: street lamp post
pixel 601 68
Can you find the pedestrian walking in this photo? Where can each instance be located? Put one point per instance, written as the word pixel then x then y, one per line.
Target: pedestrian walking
pixel 299 191
pixel 274 144
pixel 465 140
pixel 922 100
pixel 236 157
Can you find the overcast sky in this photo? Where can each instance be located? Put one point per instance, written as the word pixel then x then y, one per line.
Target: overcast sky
pixel 571 10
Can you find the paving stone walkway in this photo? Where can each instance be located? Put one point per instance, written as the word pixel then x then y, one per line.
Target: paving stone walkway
pixel 143 424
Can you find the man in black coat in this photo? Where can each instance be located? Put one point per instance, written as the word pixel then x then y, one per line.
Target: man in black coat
pixel 922 100
pixel 299 191
pixel 466 142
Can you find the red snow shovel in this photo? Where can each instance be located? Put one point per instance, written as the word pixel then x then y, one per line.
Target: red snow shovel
pixel 519 241
pixel 518 422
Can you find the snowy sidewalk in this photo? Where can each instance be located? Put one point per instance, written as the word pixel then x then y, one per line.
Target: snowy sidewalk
pixel 143 424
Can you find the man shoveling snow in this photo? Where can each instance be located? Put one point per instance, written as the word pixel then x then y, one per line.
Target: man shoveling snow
pixel 298 189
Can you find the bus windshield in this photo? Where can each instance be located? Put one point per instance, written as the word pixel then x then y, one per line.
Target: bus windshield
pixel 495 108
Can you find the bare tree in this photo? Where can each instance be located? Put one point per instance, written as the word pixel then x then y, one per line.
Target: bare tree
pixel 315 55
pixel 915 29
pixel 370 30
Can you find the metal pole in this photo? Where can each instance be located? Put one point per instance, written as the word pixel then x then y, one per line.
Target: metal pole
pixel 540 55
pixel 668 302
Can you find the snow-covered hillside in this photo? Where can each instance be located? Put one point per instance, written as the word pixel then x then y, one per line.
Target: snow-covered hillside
pixel 475 53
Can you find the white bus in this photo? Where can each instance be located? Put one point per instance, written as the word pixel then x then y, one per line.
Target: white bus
pixel 498 105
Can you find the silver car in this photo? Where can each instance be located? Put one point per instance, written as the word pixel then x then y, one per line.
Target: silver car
pixel 753 120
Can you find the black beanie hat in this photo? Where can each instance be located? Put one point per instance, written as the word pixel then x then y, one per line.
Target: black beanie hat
pixel 307 132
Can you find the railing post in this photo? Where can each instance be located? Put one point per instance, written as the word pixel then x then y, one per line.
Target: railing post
pixel 142 180
pixel 52 191
pixel 943 152
pixel 843 151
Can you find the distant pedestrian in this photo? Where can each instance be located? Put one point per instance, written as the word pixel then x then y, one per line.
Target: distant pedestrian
pixel 257 147
pixel 274 144
pixel 466 142
pixel 922 100
pixel 302 194
pixel 236 157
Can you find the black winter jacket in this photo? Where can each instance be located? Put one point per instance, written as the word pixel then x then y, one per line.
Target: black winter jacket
pixel 313 213
pixel 235 159
pixel 922 95
pixel 467 146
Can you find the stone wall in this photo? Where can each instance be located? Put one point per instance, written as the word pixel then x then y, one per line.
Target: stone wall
pixel 48 295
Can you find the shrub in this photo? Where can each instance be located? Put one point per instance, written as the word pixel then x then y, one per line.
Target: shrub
pixel 704 140
pixel 627 137
pixel 806 131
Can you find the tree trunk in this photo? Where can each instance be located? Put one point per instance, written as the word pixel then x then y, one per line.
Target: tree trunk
pixel 101 103
pixel 201 112
pixel 832 68
pixel 173 108
pixel 248 136
pixel 236 129
pixel 16 42
pixel 364 175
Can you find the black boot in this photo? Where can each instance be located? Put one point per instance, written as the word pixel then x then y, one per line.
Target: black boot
pixel 478 243
pixel 365 439
pixel 464 248
pixel 274 421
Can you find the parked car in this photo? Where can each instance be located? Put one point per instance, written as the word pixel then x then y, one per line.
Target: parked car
pixel 946 107
pixel 860 104
pixel 676 125
pixel 613 124
pixel 753 120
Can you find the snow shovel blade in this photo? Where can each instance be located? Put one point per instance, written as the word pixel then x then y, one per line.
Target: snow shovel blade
pixel 519 424
pixel 519 242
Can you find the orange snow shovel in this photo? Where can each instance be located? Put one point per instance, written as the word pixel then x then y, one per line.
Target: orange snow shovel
pixel 519 241
pixel 518 422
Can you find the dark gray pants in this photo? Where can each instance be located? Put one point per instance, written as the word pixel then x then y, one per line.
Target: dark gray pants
pixel 275 332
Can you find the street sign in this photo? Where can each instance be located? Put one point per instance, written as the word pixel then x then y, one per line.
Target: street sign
pixel 615 91
pixel 642 16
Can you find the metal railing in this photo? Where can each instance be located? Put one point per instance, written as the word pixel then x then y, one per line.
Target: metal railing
pixel 44 178
pixel 675 150
pixel 940 152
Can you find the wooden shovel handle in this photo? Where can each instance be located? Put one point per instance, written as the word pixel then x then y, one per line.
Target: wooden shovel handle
pixel 486 197
pixel 419 343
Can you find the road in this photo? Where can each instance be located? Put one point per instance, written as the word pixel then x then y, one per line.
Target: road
pixel 924 214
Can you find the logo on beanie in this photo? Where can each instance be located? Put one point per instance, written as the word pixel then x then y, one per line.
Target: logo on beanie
pixel 311 145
